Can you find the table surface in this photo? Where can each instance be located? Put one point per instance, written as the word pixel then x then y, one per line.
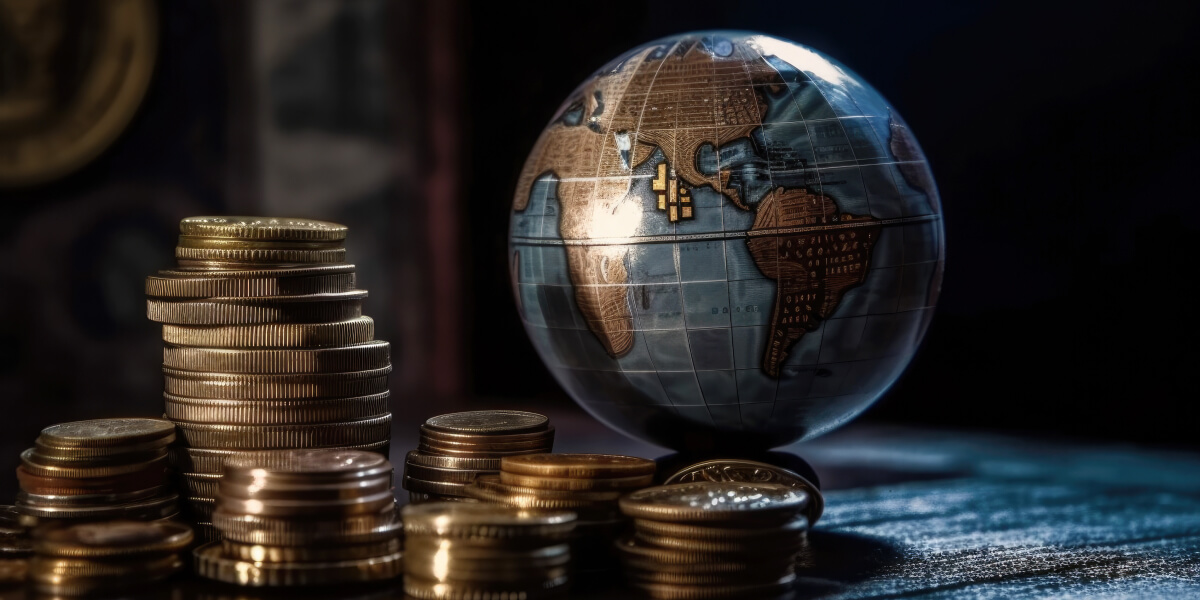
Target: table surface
pixel 918 513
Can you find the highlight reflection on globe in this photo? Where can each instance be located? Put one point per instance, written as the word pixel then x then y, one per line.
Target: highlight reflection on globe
pixel 726 240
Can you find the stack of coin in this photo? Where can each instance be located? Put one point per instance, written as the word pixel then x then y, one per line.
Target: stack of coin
pixel 99 469
pixel 266 347
pixel 713 539
pixel 456 448
pixel 15 547
pixel 106 557
pixel 480 551
pixel 589 484
pixel 304 517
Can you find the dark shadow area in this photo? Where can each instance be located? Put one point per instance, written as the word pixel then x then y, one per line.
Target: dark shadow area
pixel 836 559
pixel 849 477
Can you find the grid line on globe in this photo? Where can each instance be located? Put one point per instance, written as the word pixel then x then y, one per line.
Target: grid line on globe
pixel 726 233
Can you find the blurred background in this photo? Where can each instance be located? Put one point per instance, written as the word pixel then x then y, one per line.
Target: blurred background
pixel 1064 142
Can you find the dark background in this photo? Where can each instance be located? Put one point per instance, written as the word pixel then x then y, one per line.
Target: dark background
pixel 1063 139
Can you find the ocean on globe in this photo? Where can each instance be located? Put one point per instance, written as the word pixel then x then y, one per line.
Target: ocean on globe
pixel 725 240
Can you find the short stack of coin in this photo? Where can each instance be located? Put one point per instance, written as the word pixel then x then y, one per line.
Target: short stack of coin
pixel 98 469
pixel 266 347
pixel 480 551
pixel 713 539
pixel 15 547
pixel 304 518
pixel 107 557
pixel 588 484
pixel 456 448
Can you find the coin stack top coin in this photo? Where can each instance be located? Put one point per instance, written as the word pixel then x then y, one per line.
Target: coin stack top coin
pixel 457 550
pixel 15 546
pixel 589 484
pixel 713 539
pixel 752 471
pixel 455 448
pixel 107 556
pixel 266 347
pixel 98 469
pixel 304 517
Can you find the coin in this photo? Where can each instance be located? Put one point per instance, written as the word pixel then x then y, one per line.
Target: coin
pixel 485 522
pixel 266 437
pixel 545 436
pixel 257 272
pixel 106 433
pixel 203 485
pixel 238 386
pixel 13 570
pixel 714 501
pixel 441 475
pixel 27 499
pixel 492 495
pixel 505 422
pixel 636 550
pixel 308 466
pixel 784 543
pixel 154 508
pixel 368 504
pixel 200 508
pixel 207 460
pixel 255 488
pixel 67 486
pixel 275 531
pixel 330 553
pixel 273 335
pixel 740 533
pixel 359 357
pixel 201 241
pixel 703 578
pixel 473 453
pixel 441 488
pixel 262 228
pixel 417 457
pixel 68 454
pixel 666 591
pixel 211 562
pixel 575 484
pixel 578 465
pixel 114 539
pixel 75 576
pixel 309 308
pixel 275 412
pixel 427 589
pixel 752 472
pixel 494 482
pixel 30 462
pixel 482 444
pixel 466 551
pixel 264 255
pixel 214 287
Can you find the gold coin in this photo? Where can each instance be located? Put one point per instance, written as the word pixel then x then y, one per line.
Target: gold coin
pixel 750 471
pixel 491 495
pixel 262 228
pixel 331 553
pixel 702 577
pixel 257 272
pixel 486 445
pixel 481 573
pixel 575 485
pixel 251 488
pixel 275 531
pixel 193 384
pixel 303 507
pixel 67 486
pixel 78 577
pixel 211 561
pixel 483 522
pixel 739 533
pixel 467 552
pixel 494 482
pixel 307 466
pixel 429 589
pixel 786 543
pixel 666 591
pixel 33 464
pixel 113 539
pixel 267 437
pixel 201 508
pixel 273 335
pixel 308 308
pixel 417 457
pixel 250 256
pixel 419 497
pixel 66 454
pixel 440 488
pixel 441 475
pixel 359 357
pixel 715 501
pixel 106 433
pixel 154 508
pixel 275 412
pixel 203 485
pixel 483 422
pixel 201 241
pixel 75 79
pixel 633 548
pixel 220 267
pixel 104 499
pixel 204 460
pixel 578 465
pixel 473 453
pixel 545 437
pixel 216 287
pixel 206 533
pixel 13 570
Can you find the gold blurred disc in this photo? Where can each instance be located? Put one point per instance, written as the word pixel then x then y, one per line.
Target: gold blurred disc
pixel 468 552
pixel 485 522
pixel 267 437
pixel 193 384
pixel 273 335
pixel 359 357
pixel 262 228
pixel 212 562
pixel 32 464
pixel 71 577
pixel 106 433
pixel 428 589
pixel 308 308
pixel 13 570
pixel 306 466
pixel 275 531
pixel 205 460
pixel 104 499
pixel 218 287
pixel 112 539
pixel 715 501
pixel 544 436
pixel 417 457
pixel 141 510
pixel 303 507
pixel 275 412
pixel 568 484
pixel 587 466
pixel 484 422
pixel 739 533
pixel 481 572
pixel 667 591
pixel 750 471
pixel 248 488
pixel 75 78
pixel 328 553
pixel 251 256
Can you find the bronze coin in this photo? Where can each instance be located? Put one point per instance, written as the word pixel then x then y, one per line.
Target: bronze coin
pixel 749 471
pixel 578 465
pixel 502 422
pixel 715 501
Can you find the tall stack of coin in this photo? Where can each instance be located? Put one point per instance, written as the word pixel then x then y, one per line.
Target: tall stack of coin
pixel 457 550
pixel 266 347
pixel 304 517
pixel 106 557
pixel 713 539
pixel 588 484
pixel 98 469
pixel 15 547
pixel 456 448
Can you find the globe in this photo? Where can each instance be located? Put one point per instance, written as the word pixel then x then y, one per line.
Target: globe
pixel 725 240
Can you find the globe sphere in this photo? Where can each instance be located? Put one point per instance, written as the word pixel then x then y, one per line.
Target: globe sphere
pixel 725 241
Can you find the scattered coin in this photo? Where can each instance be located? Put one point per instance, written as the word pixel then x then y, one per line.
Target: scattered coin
pixel 750 471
